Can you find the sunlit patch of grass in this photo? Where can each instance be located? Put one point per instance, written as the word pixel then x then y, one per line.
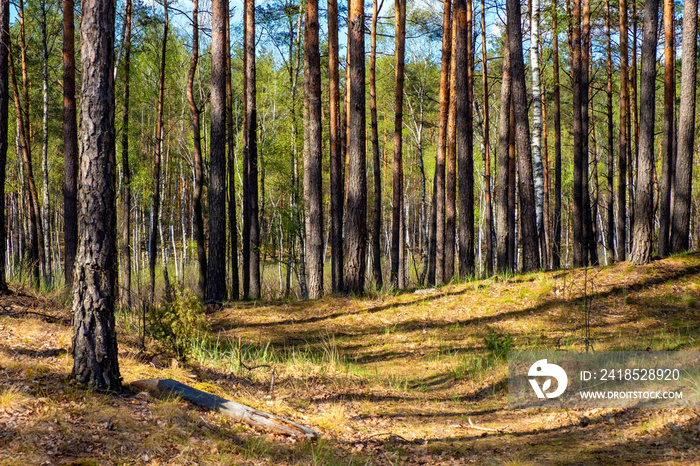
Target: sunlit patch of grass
pixel 11 397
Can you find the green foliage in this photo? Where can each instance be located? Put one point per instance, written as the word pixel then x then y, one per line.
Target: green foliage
pixel 498 344
pixel 176 325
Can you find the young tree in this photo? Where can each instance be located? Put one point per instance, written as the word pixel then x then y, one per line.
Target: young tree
pixel 4 105
pixel 644 192
pixel 197 220
pixel 95 360
pixel 356 218
pixel 686 131
pixel 667 149
pixel 216 267
pixel 336 160
pixel 313 194
pixel 398 279
pixel 45 140
pixel 126 168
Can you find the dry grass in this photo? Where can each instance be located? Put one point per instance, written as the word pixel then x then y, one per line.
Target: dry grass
pixel 389 379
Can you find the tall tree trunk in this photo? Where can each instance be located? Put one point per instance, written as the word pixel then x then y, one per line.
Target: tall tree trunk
pixel 45 207
pixel 644 192
pixel 32 199
pixel 70 146
pixel 397 237
pixel 95 361
pixel 250 193
pixel 502 209
pixel 537 123
pixel 356 218
pixel 126 169
pixel 4 105
pixel 488 214
pixel 668 152
pixel 216 266
pixel 624 142
pixel 463 123
pixel 686 131
pixel 313 194
pixel 436 259
pixel 230 147
pixel 610 236
pixel 153 244
pixel 376 162
pixel 556 241
pixel 590 254
pixel 528 223
pixel 632 131
pixel 580 170
pixel 512 188
pixel 451 173
pixel 336 159
pixel 198 220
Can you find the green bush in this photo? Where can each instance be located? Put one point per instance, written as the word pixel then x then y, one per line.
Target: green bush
pixel 498 343
pixel 177 324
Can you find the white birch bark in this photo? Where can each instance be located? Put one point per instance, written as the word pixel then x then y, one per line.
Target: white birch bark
pixel 537 115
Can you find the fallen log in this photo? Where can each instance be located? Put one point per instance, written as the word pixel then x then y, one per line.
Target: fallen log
pixel 236 411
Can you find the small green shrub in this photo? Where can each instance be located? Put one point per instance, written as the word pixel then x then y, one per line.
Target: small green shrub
pixel 498 343
pixel 177 324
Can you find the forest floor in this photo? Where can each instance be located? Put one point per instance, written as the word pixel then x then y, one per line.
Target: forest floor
pixel 386 379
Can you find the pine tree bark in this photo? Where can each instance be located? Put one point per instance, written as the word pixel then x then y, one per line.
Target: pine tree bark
pixel 95 360
pixel 644 192
pixel 624 141
pixel 680 225
pixel 488 214
pixel 528 224
pixel 667 149
pixel 463 124
pixel 336 160
pixel 579 244
pixel 195 112
pixel 376 162
pixel 590 245
pixel 70 146
pixel 356 217
pixel 451 169
pixel 556 240
pixel 610 234
pixel 397 237
pixel 126 168
pixel 502 209
pixel 436 256
pixel 4 107
pixel 313 194
pixel 251 247
pixel 216 266
pixel 230 147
